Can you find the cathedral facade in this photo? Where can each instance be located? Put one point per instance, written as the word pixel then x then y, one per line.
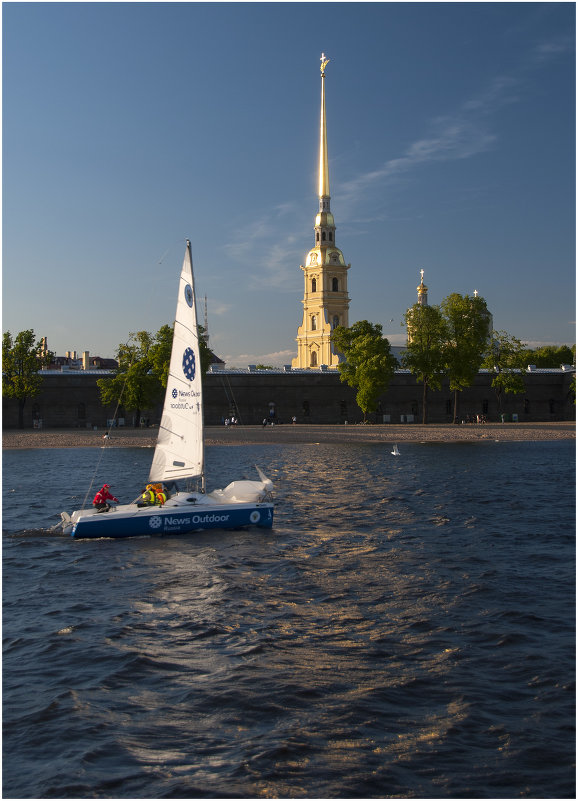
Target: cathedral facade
pixel 325 298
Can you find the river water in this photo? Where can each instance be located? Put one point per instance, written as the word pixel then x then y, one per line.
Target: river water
pixel 405 630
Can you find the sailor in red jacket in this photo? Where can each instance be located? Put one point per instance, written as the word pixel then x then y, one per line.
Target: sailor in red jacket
pixel 101 498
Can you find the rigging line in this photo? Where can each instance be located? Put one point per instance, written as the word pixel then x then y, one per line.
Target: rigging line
pixel 105 439
pixel 107 435
pixel 233 402
pixel 170 247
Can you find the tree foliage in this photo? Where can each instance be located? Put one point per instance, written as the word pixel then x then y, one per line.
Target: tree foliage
pixel 467 329
pixel 425 350
pixel 135 385
pixel 22 357
pixel 550 355
pixel 143 370
pixel 160 354
pixel 369 364
pixel 506 357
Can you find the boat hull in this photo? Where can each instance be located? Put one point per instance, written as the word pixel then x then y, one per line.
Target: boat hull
pixel 134 521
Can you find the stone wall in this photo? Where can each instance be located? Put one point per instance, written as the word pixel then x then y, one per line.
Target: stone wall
pixel 72 400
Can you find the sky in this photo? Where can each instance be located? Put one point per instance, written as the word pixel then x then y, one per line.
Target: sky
pixel 129 127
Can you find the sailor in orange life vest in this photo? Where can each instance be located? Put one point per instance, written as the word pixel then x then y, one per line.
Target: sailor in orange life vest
pixel 101 498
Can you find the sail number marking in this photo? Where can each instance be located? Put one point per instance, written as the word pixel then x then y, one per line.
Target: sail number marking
pixel 185 400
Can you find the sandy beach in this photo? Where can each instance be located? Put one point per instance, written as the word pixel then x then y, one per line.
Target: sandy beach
pixel 286 434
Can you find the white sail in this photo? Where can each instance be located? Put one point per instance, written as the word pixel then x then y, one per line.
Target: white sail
pixel 179 452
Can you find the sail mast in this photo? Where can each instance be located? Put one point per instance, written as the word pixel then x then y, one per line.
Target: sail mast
pixel 180 449
pixel 200 387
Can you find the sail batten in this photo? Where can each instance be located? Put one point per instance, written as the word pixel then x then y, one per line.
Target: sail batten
pixel 179 452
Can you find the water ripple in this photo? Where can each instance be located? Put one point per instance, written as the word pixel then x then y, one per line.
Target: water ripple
pixel 402 632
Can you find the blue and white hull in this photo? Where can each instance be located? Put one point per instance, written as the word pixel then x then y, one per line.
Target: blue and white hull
pixel 179 455
pixel 183 513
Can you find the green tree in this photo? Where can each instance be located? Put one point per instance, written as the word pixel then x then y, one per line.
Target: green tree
pixel 135 382
pixel 506 356
pixel 550 356
pixel 160 353
pixel 425 354
pixel 369 364
pixel 205 352
pixel 467 329
pixel 143 369
pixel 22 357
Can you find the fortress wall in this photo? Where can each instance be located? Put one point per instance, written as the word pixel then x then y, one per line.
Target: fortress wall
pixel 73 400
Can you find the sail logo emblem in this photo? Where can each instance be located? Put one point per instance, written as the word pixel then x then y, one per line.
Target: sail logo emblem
pixel 155 522
pixel 189 295
pixel 174 393
pixel 189 364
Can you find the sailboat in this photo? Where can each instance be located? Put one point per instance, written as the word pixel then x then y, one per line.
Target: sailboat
pixel 395 451
pixel 179 456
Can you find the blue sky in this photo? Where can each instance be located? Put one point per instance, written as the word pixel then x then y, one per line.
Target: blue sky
pixel 128 127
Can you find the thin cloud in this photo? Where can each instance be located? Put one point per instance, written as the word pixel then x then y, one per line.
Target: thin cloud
pixel 276 359
pixel 269 255
pixel 220 309
pixel 270 246
pixel 452 137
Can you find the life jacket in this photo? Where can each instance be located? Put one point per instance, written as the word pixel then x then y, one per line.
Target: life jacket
pixel 161 498
pixel 148 496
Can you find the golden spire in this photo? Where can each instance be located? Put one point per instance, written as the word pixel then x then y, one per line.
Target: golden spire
pixel 422 291
pixel 323 161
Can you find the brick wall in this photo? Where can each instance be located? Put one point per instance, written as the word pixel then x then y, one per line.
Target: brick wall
pixel 73 400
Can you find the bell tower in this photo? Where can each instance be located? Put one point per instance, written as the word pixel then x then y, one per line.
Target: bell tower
pixel 325 300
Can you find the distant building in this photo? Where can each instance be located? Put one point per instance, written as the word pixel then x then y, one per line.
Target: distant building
pixel 73 361
pixel 325 299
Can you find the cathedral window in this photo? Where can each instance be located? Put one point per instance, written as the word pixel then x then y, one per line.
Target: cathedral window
pixel 323 236
pixel 313 359
pixel 335 285
pixel 314 285
pixel 335 321
pixel 317 236
pixel 330 236
pixel 314 323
